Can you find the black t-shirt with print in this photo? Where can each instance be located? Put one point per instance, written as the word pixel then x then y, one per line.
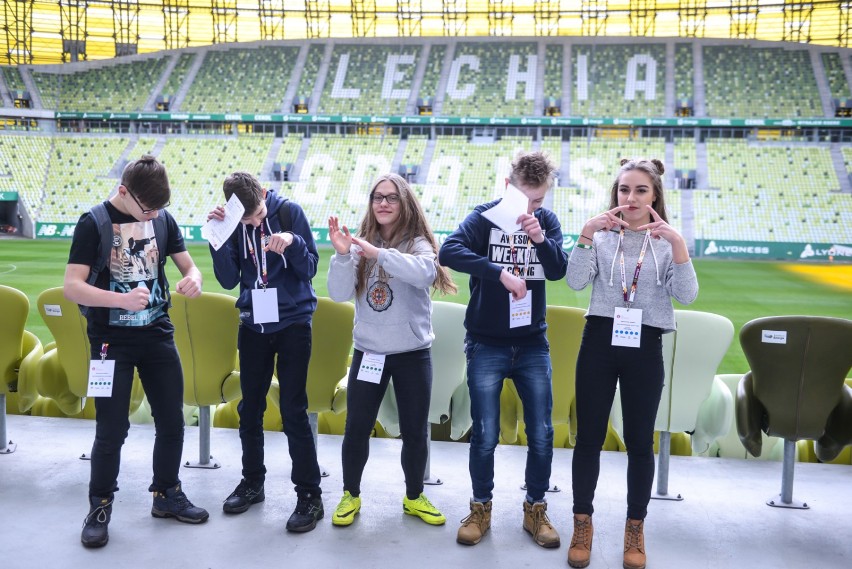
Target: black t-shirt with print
pixel 134 261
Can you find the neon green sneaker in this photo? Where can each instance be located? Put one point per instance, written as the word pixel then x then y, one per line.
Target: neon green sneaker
pixel 423 509
pixel 345 512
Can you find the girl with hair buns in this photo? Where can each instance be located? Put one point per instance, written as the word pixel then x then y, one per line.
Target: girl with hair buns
pixel 629 311
pixel 389 268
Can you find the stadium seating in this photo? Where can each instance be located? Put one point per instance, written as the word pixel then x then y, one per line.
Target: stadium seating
pixel 309 73
pixel 553 71
pixel 837 84
pixel 482 92
pixel 790 187
pixel 755 82
pixel 242 80
pixel 24 161
pixel 336 175
pixel 13 79
pixel 178 74
pixel 115 87
pixel 364 91
pixel 432 75
pixel 684 72
pixel 610 83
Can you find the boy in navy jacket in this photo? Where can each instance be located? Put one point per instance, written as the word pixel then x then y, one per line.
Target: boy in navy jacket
pixel 273 257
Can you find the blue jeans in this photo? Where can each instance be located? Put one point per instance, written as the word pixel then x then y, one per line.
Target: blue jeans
pixel 529 367
pixel 258 352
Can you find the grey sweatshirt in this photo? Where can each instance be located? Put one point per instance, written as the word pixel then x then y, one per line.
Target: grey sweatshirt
pixel 659 280
pixel 397 317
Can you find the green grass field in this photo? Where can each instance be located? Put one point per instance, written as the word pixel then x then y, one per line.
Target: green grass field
pixel 739 290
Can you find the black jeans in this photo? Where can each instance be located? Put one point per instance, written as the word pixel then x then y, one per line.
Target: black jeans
pixel 639 373
pixel 162 377
pixel 292 345
pixel 412 384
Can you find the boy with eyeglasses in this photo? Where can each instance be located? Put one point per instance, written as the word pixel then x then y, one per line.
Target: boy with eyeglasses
pixel 126 306
pixel 271 255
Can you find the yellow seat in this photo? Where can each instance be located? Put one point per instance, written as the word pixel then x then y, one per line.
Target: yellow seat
pixel 795 389
pixel 18 350
pixel 564 332
pixel 62 373
pixel 331 344
pixel 206 330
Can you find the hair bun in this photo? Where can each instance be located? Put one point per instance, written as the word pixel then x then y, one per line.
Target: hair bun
pixel 624 161
pixel 659 166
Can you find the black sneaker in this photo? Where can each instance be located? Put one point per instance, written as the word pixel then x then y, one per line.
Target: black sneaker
pixel 173 503
pixel 241 499
pixel 308 511
pixel 95 532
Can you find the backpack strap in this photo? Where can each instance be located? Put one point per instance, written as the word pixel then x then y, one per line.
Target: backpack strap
pixel 284 216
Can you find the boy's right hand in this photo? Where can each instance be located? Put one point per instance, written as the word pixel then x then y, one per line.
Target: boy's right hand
pixel 341 241
pixel 136 299
pixel 515 285
pixel 218 214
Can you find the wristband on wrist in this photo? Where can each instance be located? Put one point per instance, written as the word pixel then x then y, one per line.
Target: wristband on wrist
pixel 583 245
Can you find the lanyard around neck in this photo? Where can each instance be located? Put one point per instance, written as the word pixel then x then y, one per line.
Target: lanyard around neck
pixel 261 253
pixel 514 253
pixel 628 298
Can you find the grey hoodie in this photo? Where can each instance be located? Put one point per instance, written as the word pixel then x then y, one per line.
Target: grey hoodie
pixel 396 318
pixel 659 280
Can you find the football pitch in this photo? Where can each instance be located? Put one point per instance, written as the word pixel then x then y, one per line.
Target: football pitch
pixel 739 290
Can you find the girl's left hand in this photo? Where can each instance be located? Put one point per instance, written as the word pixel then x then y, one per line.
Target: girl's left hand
pixel 368 250
pixel 660 228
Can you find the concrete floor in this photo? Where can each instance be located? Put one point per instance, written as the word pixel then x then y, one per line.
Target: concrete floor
pixel 722 522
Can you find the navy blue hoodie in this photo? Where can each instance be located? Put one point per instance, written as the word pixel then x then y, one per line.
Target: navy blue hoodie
pixel 481 249
pixel 291 273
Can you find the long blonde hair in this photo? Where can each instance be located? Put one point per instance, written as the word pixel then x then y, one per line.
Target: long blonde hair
pixel 410 225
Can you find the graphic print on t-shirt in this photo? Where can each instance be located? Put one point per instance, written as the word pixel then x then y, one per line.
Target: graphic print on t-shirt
pixel 500 252
pixel 134 261
pixel 379 294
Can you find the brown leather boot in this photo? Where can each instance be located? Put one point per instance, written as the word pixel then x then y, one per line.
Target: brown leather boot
pixel 634 544
pixel 538 525
pixel 476 524
pixel 580 552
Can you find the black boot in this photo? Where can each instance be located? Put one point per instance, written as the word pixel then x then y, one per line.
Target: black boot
pixel 95 532
pixel 246 494
pixel 173 503
pixel 308 511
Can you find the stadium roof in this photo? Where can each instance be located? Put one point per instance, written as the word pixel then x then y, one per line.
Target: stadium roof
pixel 41 31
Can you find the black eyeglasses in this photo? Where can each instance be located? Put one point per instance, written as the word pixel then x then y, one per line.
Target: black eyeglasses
pixel 147 211
pixel 390 198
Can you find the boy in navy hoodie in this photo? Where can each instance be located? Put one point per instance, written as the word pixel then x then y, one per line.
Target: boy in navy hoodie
pixel 506 338
pixel 272 256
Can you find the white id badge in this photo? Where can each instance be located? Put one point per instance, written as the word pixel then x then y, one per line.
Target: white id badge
pixel 101 373
pixel 264 305
pixel 520 311
pixel 372 366
pixel 627 327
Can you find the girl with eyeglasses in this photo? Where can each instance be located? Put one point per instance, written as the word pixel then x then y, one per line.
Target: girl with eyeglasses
pixel 389 268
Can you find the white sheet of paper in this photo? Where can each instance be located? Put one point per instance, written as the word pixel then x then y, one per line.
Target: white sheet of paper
pixel 506 213
pixel 101 373
pixel 371 368
pixel 627 327
pixel 217 232
pixel 520 311
pixel 264 305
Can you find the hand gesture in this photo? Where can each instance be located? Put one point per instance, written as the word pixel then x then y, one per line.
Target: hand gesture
pixel 605 221
pixel 660 228
pixel 218 213
pixel 367 250
pixel 278 242
pixel 341 241
pixel 136 299
pixel 189 287
pixel 530 226
pixel 515 285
